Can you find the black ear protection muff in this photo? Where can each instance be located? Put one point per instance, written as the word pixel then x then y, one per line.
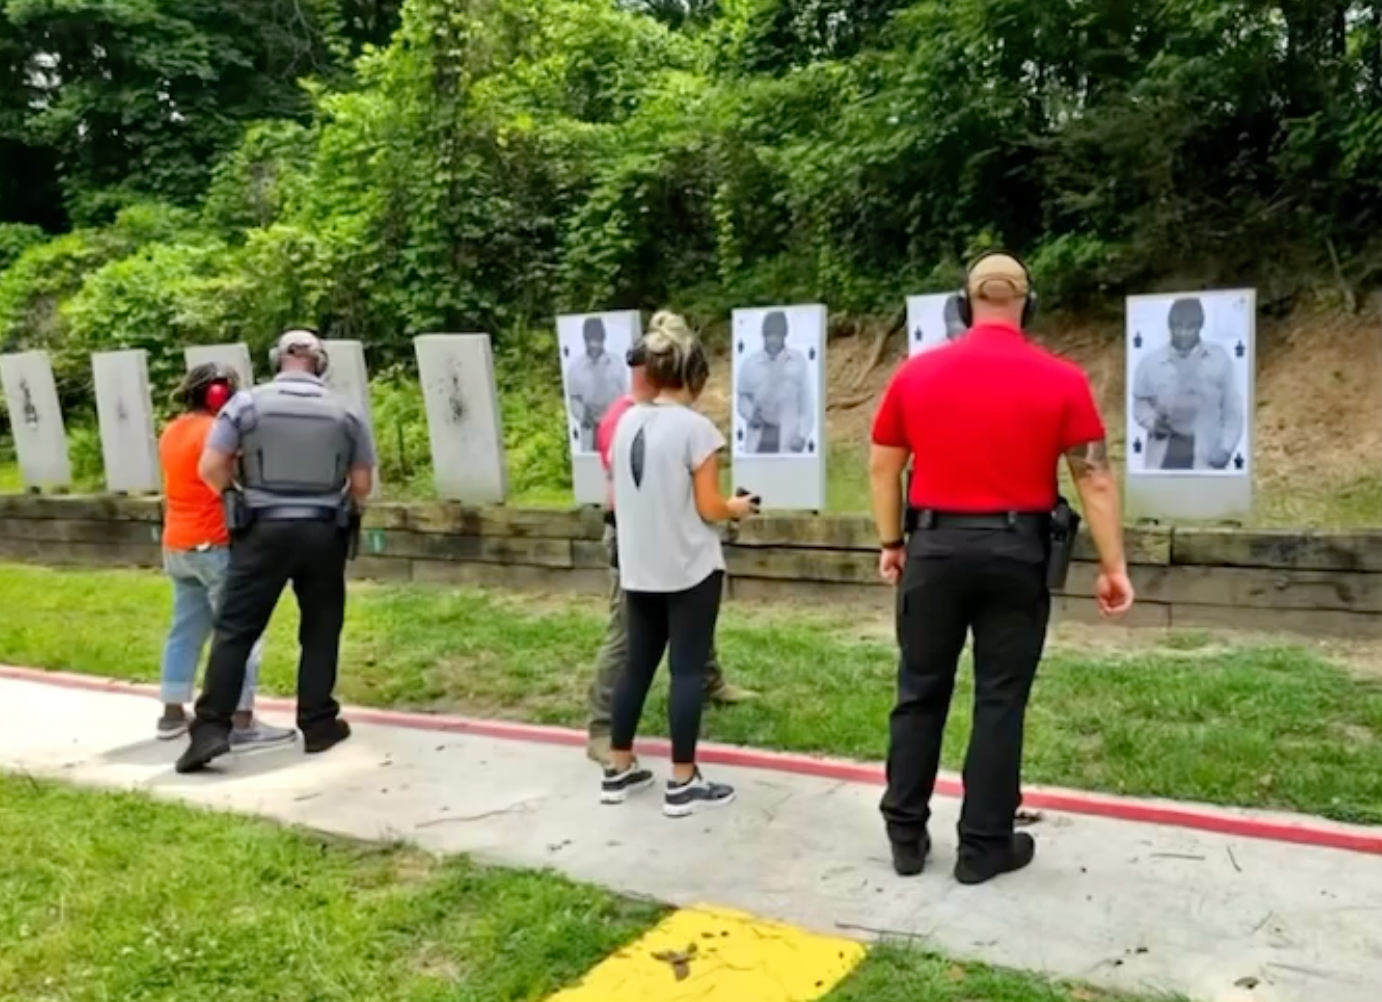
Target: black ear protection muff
pixel 1029 304
pixel 695 368
pixel 320 359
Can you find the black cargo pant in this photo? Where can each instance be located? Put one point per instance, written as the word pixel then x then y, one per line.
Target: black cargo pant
pixel 993 583
pixel 265 558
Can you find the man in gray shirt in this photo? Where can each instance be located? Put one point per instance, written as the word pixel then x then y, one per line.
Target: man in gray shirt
pixel 295 460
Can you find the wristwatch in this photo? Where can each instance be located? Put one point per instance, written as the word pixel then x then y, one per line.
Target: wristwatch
pixel 895 544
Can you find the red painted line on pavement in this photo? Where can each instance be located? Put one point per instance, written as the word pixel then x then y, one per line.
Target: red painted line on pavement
pixel 1308 831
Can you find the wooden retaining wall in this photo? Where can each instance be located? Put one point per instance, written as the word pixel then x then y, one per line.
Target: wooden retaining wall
pixel 1311 582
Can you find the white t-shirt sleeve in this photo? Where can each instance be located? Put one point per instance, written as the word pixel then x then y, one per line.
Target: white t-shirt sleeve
pixel 703 440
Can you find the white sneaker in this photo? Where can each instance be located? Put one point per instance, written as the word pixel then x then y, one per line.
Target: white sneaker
pixel 615 787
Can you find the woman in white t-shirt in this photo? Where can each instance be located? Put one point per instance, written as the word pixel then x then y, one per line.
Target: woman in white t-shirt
pixel 666 479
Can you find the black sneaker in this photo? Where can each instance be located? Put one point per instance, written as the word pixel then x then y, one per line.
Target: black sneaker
pixel 909 856
pixel 324 737
pixel 207 743
pixel 696 794
pixel 978 869
pixel 171 728
pixel 616 786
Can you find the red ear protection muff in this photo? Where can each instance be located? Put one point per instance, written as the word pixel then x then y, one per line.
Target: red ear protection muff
pixel 218 394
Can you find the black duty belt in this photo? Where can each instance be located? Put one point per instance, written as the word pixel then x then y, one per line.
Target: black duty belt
pixel 1013 521
pixel 296 513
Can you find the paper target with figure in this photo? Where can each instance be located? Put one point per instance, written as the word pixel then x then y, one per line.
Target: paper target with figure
pixel 593 371
pixel 1190 359
pixel 779 384
pixel 933 321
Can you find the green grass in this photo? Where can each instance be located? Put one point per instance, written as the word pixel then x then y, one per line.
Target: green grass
pixel 117 896
pixel 902 974
pixel 1258 726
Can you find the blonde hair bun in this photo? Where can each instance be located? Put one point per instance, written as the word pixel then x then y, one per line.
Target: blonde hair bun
pixel 675 356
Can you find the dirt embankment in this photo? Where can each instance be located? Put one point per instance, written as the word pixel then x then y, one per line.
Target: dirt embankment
pixel 1319 388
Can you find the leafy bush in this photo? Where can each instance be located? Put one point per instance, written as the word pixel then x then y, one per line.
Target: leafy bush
pixel 400 431
pixel 159 300
pixel 15 239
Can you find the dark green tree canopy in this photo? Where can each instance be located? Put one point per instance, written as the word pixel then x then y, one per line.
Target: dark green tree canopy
pixel 386 168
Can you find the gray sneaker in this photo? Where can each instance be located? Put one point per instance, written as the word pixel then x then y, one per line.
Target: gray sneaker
pixel 260 735
pixel 172 728
pixel 696 794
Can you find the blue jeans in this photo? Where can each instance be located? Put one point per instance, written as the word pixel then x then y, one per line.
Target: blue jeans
pixel 198 578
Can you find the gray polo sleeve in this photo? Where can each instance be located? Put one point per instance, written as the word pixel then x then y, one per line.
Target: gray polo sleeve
pixel 235 418
pixel 363 441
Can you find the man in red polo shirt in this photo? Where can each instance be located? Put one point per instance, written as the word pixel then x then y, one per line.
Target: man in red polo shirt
pixel 985 421
pixel 614 649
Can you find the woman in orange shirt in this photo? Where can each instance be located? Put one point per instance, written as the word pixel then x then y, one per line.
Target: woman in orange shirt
pixel 196 553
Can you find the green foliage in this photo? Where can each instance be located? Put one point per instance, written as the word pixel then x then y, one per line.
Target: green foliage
pixel 84 450
pixel 167 296
pixel 385 169
pixel 15 239
pixel 400 429
pixel 33 288
pixel 252 185
pixel 533 415
pixel 149 92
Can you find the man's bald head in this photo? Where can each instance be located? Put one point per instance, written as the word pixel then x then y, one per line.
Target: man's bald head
pixel 997 285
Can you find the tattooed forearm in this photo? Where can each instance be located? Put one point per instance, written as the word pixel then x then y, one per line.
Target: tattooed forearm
pixel 1087 459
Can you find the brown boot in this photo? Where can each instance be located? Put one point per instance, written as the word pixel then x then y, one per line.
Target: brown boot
pixel 598 751
pixel 725 694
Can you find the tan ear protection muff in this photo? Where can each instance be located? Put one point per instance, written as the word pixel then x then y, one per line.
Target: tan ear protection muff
pixel 1029 303
pixel 291 343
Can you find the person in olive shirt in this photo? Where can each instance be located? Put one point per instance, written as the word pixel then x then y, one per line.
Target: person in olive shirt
pixel 610 661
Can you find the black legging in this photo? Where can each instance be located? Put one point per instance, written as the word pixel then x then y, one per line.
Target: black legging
pixel 685 621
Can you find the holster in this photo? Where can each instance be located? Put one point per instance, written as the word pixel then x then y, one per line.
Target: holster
pixel 1065 526
pixel 350 519
pixel 239 515
pixel 911 521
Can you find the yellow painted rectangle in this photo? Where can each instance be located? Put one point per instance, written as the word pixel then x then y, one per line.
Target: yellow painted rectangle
pixel 723 956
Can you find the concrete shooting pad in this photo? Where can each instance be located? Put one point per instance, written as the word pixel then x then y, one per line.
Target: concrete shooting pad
pixel 129 448
pixel 1124 905
pixel 463 421
pixel 40 439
